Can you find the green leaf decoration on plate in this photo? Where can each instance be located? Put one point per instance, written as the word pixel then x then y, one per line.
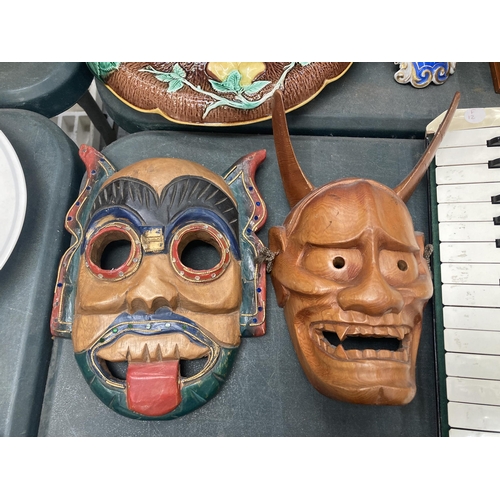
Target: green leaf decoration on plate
pixel 177 69
pixel 175 85
pixel 166 77
pixel 233 81
pixel 255 87
pixel 102 69
pixel 220 86
pixel 231 84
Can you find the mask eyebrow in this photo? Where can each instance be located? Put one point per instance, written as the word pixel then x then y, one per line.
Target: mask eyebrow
pixel 126 191
pixel 385 242
pixel 191 191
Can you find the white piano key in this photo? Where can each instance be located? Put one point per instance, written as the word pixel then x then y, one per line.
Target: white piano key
pixel 469 390
pixel 473 274
pixel 467 433
pixel 466 156
pixel 483 366
pixel 470 137
pixel 467 174
pixel 470 252
pixel 472 341
pixel 475 417
pixel 471 318
pixel 466 193
pixel 468 231
pixel 471 295
pixel 485 211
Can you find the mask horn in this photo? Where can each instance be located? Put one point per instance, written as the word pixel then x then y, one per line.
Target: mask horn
pixel 295 182
pixel 406 188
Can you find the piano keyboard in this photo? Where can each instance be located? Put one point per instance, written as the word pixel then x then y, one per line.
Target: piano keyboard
pixel 466 204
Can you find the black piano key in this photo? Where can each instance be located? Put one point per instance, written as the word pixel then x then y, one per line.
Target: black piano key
pixel 494 163
pixel 495 141
pixel 497 243
pixel 495 199
pixel 496 220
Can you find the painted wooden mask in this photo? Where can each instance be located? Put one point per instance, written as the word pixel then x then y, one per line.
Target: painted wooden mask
pixel 160 282
pixel 351 275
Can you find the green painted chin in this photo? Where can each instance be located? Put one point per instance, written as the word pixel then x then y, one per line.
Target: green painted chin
pixel 194 394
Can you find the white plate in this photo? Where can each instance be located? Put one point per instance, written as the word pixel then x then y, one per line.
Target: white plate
pixel 12 198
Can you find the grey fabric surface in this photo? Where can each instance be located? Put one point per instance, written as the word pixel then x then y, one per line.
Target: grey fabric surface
pixel 266 394
pixel 52 171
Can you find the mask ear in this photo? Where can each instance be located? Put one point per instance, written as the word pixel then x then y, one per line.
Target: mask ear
pixel 252 215
pixel 423 266
pixel 98 169
pixel 277 244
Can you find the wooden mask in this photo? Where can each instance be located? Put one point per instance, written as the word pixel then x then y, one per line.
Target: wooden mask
pixel 351 275
pixel 155 333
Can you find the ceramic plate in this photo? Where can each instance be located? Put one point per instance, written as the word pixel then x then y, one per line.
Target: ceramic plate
pixel 12 198
pixel 215 94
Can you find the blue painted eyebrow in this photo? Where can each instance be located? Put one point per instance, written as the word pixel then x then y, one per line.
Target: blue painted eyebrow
pixel 185 192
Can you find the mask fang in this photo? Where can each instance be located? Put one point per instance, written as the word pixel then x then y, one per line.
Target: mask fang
pixel 295 182
pixel 405 189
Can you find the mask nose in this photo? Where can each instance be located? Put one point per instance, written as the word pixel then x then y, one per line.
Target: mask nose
pixel 152 286
pixel 373 296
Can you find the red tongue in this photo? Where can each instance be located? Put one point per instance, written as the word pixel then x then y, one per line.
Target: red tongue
pixel 153 389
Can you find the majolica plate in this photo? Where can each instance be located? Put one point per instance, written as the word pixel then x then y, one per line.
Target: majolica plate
pixel 223 93
pixel 12 199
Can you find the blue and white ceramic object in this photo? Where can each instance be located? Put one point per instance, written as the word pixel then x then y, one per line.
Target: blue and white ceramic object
pixel 421 74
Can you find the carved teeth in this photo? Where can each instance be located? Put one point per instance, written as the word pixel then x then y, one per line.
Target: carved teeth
pixel 383 331
pixel 341 331
pixel 340 352
pixel 401 331
pixel 369 353
pixel 344 330
pixel 157 348
pixel 158 354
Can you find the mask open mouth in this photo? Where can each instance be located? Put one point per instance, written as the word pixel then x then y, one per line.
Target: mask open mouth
pixel 189 368
pixel 352 342
pixel 152 360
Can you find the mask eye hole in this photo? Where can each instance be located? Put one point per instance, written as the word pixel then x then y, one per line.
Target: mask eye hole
pixel 338 262
pixel 398 268
pixel 115 254
pixel 200 255
pixel 199 252
pixel 402 265
pixel 113 251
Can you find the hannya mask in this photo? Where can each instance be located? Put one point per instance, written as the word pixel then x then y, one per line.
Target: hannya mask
pixel 351 275
pixel 138 321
